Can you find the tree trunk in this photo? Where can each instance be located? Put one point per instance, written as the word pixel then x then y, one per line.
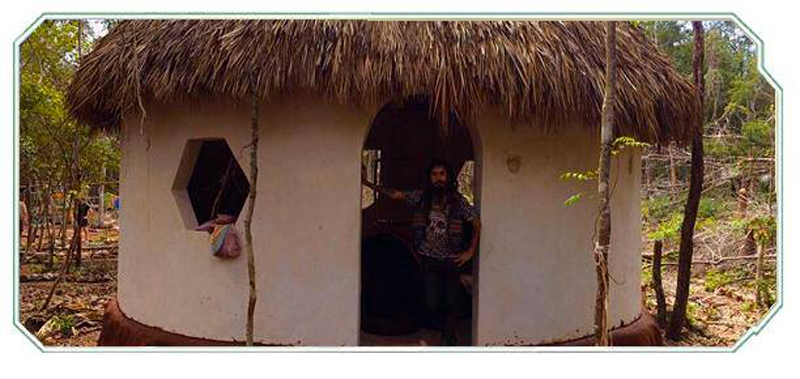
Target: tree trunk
pixel 658 287
pixel 751 177
pixel 248 237
pixel 32 238
pixel 28 208
pixel 42 224
pixel 686 248
pixel 77 233
pixel 646 175
pixel 64 216
pixel 749 247
pixel 101 211
pixel 61 275
pixel 743 203
pixel 602 335
pixel 45 214
pixel 673 171
pixel 77 167
pixel 714 84
pixel 760 301
pixel 51 254
pixel 33 230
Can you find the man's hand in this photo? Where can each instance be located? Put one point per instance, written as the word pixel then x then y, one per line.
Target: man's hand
pixel 464 257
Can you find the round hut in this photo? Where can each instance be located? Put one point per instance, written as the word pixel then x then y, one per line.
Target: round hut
pixel 511 105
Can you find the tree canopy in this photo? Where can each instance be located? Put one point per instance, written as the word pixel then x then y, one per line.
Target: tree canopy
pixel 50 139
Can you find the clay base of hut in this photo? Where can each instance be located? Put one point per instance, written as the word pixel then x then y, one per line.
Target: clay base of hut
pixel 644 331
pixel 120 330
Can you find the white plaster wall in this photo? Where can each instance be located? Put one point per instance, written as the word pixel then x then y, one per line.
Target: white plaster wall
pixel 305 229
pixel 537 279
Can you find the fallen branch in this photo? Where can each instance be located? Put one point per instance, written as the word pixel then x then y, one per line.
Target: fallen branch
pixel 41 257
pixel 49 277
pixel 730 324
pixel 85 248
pixel 718 260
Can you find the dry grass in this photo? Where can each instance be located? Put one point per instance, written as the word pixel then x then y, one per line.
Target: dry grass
pixel 78 304
pixel 539 72
pixel 719 316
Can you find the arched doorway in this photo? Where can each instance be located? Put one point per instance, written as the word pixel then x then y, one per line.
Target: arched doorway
pixel 402 141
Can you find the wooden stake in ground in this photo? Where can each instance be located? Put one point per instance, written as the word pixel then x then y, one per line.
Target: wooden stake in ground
pixel 658 287
pixel 601 248
pixel 248 237
pixel 693 201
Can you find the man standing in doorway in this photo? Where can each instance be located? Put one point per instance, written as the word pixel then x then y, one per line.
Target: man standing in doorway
pixel 440 212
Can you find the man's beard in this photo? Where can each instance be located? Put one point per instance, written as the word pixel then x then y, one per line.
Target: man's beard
pixel 438 191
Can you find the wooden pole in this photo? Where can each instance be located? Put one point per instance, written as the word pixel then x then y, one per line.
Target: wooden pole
pixel 602 335
pixel 248 237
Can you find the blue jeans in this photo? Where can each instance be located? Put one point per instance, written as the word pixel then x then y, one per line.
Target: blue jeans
pixel 442 294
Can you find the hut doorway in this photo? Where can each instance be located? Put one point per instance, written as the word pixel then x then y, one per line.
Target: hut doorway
pixel 402 142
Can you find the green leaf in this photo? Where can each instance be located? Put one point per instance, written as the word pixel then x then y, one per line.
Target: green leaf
pixel 573 199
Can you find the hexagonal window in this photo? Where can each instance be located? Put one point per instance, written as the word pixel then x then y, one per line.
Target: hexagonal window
pixel 209 182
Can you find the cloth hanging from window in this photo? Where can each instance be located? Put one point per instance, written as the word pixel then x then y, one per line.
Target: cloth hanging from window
pixel 223 236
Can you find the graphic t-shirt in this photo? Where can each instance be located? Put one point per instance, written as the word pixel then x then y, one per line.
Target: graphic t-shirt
pixel 436 243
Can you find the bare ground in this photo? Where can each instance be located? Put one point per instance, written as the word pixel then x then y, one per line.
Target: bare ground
pixel 721 304
pixel 75 313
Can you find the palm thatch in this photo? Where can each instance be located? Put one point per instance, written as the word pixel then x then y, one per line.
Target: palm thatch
pixel 543 72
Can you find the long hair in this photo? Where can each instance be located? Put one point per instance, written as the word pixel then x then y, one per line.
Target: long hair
pixel 449 192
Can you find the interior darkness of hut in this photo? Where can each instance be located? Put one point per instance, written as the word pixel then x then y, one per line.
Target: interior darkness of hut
pixel 402 142
pixel 218 181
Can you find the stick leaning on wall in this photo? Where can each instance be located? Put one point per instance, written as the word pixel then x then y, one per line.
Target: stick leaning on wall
pixel 248 237
pixel 603 227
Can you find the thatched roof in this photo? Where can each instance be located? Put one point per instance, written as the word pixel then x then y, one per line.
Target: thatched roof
pixel 542 71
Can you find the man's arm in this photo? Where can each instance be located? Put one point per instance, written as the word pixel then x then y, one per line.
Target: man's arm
pixel 467 254
pixel 391 193
pixel 476 233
